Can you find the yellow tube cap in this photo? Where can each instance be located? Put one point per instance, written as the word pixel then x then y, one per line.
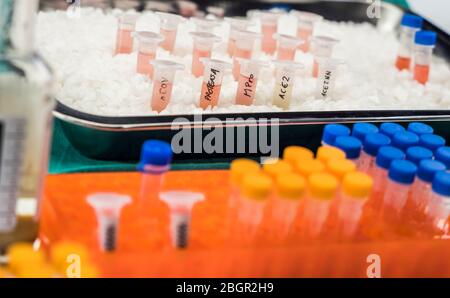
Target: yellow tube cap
pixel 2 273
pixel 309 166
pixel 294 154
pixel 22 255
pixel 36 271
pixel 256 186
pixel 340 167
pixel 63 250
pixel 291 186
pixel 357 185
pixel 277 167
pixel 322 186
pixel 241 167
pixel 327 153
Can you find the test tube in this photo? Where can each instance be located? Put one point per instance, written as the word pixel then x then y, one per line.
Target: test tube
pixel 269 26
pixel 236 24
pixel 108 207
pixel 350 145
pixel 404 140
pixel 322 48
pixel 340 167
pixel 180 204
pixel 148 43
pixel 243 48
pixel 400 178
pixel 295 154
pixel 356 189
pixel 156 157
pixel 277 167
pixel 410 24
pixel 285 74
pixel 255 191
pixel 163 77
pixel 423 52
pixel 187 8
pixel 322 189
pixel 372 143
pixel 238 169
pixel 360 130
pixel 308 167
pixel 332 131
pixel 416 154
pixel 439 207
pixel 203 44
pixel 205 25
pixel 306 23
pixel 216 11
pixel 390 129
pixel 212 81
pixel 385 156
pixel 326 80
pixel 248 80
pixel 443 155
pixel 327 153
pixel 290 190
pixel 431 141
pixel 287 46
pixel 124 40
pixel 168 29
pixel 419 128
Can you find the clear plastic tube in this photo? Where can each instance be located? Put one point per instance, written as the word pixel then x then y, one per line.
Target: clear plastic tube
pixel 248 80
pixel 321 47
pixel 286 71
pixel 243 48
pixel 287 46
pixel 212 81
pixel 327 72
pixel 205 25
pixel 422 61
pixel 236 24
pixel 203 44
pixel 124 41
pixel 148 44
pixel 306 23
pixel 269 27
pixel 406 47
pixel 168 29
pixel 163 78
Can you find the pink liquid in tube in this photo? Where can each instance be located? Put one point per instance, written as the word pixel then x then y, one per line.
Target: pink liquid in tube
pixel 240 53
pixel 143 63
pixel 124 42
pixel 304 34
pixel 247 80
pixel 212 81
pixel 168 29
pixel 169 39
pixel 164 74
pixel 268 43
pixel 203 44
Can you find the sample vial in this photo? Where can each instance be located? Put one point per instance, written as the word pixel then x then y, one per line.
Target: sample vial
pixel 322 48
pixel 243 48
pixel 442 154
pixel 350 145
pixel 410 24
pixel 168 29
pixel 269 26
pixel 285 75
pixel 277 167
pixel 431 141
pixel 372 143
pixel 124 40
pixel 287 46
pixel 205 25
pixel 163 78
pixel 212 81
pixel 404 140
pixel 425 42
pixel 390 129
pixel 360 130
pixel 340 167
pixel 416 154
pixel 236 24
pixel 419 128
pixel 308 167
pixel 295 154
pixel 327 153
pixel 238 169
pixel 332 131
pixel 385 156
pixel 148 44
pixel 328 69
pixel 439 206
pixel 306 23
pixel 248 79
pixel 203 44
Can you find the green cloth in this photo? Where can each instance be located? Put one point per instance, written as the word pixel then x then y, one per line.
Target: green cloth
pixel 402 3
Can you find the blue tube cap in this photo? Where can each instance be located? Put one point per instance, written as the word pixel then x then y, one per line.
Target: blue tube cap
pixel 431 141
pixel 360 130
pixel 416 154
pixel 155 153
pixel 413 21
pixel 402 171
pixel 375 141
pixel 386 155
pixel 390 129
pixel 443 155
pixel 441 184
pixel 419 128
pixel 332 131
pixel 428 169
pixel 425 38
pixel 350 145
pixel 404 140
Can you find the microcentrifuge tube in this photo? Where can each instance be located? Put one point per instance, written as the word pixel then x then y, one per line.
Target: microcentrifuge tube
pixel 326 80
pixel 425 42
pixel 148 43
pixel 236 24
pixel 163 77
pixel 269 27
pixel 108 207
pixel 306 23
pixel 410 24
pixel 203 44
pixel 205 25
pixel 321 47
pixel 187 8
pixel 180 204
pixel 156 157
pixel 168 29
pixel 124 40
pixel 287 46
pixel 212 81
pixel 286 72
pixel 248 80
pixel 243 48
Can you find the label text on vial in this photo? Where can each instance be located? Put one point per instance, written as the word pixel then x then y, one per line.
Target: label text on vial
pixel 326 83
pixel 248 86
pixel 163 88
pixel 211 83
pixel 284 84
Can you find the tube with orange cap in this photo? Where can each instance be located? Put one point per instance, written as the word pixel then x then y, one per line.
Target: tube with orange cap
pixel 238 169
pixel 327 153
pixel 339 167
pixel 275 167
pixel 295 154
pixel 309 166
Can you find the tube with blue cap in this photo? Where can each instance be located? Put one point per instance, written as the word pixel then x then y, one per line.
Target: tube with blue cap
pixel 425 42
pixel 372 143
pixel 410 24
pixel 431 142
pixel 439 206
pixel 156 157
pixel 332 131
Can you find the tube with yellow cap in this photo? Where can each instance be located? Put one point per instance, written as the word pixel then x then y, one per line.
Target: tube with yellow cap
pixel 322 189
pixel 290 189
pixel 340 167
pixel 275 167
pixel 295 154
pixel 238 169
pixel 356 188
pixel 254 192
pixel 309 166
pixel 327 153
pixel 22 255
